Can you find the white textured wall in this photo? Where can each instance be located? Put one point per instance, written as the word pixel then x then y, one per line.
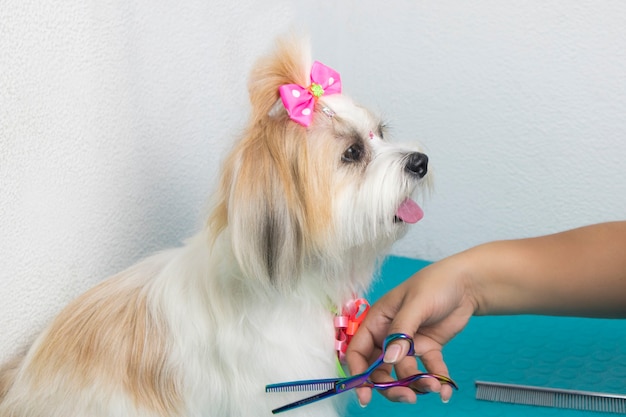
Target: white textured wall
pixel 114 116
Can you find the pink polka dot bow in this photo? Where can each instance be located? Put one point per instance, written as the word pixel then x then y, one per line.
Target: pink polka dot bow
pixel 300 101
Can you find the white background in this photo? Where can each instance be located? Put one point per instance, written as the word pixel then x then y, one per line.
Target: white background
pixel 114 117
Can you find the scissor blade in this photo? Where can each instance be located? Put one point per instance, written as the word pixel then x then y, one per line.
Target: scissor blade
pixel 306 385
pixel 306 401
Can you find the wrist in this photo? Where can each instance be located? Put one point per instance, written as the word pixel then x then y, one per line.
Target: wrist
pixel 478 263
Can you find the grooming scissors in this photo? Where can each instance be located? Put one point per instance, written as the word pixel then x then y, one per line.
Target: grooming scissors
pixel 334 386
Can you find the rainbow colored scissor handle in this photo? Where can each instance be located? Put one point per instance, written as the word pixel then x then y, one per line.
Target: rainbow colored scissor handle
pixel 334 386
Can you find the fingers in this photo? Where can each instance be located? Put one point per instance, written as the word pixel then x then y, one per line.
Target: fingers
pixel 433 362
pixel 431 356
pixel 400 395
pixel 429 321
pixel 446 393
pixel 408 314
pixel 358 362
pixel 364 396
pixel 396 394
pixel 361 348
pixel 408 368
pixel 367 342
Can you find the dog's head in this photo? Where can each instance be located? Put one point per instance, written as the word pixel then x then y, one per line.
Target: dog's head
pixel 328 192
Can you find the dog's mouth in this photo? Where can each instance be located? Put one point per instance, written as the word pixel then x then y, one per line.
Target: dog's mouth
pixel 409 212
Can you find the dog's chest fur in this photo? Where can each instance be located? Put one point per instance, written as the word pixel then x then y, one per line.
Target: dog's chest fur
pixel 234 337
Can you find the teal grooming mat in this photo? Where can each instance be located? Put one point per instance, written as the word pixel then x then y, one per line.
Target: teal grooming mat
pixel 556 352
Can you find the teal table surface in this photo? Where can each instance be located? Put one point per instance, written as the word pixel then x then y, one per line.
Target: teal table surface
pixel 559 352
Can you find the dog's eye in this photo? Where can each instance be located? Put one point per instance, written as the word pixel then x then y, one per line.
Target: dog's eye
pixel 354 153
pixel 382 129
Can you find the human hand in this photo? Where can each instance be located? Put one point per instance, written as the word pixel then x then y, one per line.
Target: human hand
pixel 432 306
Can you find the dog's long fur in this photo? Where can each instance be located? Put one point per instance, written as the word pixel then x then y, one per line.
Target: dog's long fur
pixel 296 230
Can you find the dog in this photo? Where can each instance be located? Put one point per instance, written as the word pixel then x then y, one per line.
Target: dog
pixel 310 199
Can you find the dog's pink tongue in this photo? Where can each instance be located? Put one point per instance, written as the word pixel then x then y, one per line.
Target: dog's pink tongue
pixel 410 212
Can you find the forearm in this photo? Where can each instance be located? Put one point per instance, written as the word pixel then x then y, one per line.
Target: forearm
pixel 581 272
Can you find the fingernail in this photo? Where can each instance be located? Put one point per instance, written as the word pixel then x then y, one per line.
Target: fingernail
pixel 392 354
pixel 445 400
pixel 361 404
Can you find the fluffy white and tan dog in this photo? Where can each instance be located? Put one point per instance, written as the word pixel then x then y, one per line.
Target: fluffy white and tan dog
pixel 303 213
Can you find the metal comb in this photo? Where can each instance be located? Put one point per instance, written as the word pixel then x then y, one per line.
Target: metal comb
pixel 551 397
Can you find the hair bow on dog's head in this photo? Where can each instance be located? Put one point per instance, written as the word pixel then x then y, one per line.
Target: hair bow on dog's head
pixel 300 101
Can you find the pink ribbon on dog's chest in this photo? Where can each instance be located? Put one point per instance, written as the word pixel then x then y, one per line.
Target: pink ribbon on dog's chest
pixel 348 323
pixel 300 101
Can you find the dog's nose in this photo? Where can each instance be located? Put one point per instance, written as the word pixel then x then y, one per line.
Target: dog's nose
pixel 417 164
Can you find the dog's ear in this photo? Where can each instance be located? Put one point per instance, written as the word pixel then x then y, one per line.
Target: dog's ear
pixel 268 202
pixel 262 213
pixel 273 205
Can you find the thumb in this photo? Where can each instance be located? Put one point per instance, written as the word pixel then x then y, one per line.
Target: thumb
pixel 396 350
pixel 405 322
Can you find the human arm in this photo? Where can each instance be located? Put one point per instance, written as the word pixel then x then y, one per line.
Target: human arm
pixel 581 272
